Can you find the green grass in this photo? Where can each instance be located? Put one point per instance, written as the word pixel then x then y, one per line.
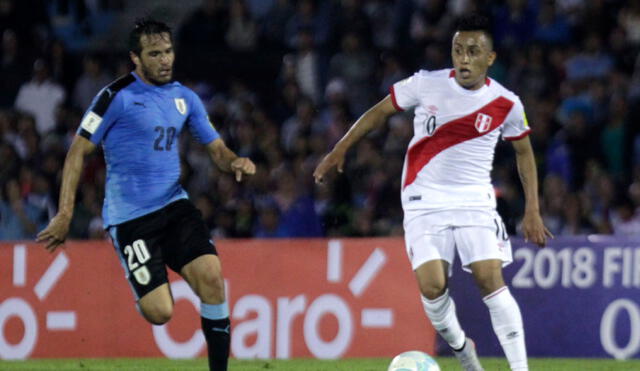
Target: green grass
pixel 366 364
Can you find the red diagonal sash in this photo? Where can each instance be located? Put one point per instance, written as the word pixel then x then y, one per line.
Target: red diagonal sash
pixel 452 133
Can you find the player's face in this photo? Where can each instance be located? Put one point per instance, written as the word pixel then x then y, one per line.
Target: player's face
pixel 472 56
pixel 155 62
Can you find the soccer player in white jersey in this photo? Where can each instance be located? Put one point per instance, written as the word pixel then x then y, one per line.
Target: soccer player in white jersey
pixel 448 200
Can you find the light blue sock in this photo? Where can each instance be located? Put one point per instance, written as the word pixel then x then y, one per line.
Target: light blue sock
pixel 214 311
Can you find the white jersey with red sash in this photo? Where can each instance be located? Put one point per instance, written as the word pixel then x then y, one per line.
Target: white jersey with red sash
pixel 449 159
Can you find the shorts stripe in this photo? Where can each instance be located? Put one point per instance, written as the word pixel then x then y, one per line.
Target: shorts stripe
pixel 116 245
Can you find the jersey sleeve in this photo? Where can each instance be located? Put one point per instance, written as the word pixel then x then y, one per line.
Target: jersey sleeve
pixel 516 125
pixel 404 93
pixel 198 121
pixel 103 112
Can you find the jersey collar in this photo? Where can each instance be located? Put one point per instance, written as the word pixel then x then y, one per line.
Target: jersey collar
pixel 454 84
pixel 149 86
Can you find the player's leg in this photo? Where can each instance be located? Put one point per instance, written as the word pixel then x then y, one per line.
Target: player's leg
pixel 195 258
pixel 484 250
pixel 431 250
pixel 504 311
pixel 139 247
pixel 437 304
pixel 441 310
pixel 157 306
pixel 204 275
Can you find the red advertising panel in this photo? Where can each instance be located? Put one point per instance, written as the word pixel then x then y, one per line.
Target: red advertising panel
pixel 288 298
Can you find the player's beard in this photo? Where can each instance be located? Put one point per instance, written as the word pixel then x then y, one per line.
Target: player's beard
pixel 155 78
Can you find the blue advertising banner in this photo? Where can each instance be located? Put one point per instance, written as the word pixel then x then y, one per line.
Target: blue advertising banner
pixel 579 297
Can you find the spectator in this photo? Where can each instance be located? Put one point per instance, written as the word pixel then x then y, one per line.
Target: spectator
pixel 205 27
pixel 575 220
pixel 592 62
pixel 241 33
pixel 274 24
pixel 13 63
pixel 297 217
pixel 553 27
pixel 629 19
pixel 356 67
pixel 299 127
pixel 305 67
pixel 269 225
pixel 63 68
pixel 19 220
pixel 93 79
pixel 314 16
pixel 624 219
pixel 574 63
pixel 40 97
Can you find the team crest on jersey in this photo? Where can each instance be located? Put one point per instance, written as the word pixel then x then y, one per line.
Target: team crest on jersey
pixel 181 105
pixel 483 122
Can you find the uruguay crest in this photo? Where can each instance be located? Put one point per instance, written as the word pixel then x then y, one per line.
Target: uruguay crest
pixel 181 105
pixel 483 122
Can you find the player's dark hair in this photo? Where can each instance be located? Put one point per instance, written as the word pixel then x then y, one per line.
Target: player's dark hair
pixel 474 22
pixel 146 26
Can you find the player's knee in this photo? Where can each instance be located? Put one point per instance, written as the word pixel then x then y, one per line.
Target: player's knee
pixel 157 313
pixel 433 291
pixel 211 287
pixel 489 283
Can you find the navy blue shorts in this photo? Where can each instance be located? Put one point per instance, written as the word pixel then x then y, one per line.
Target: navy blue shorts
pixel 172 236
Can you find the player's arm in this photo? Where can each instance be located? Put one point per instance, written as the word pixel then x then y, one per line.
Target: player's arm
pixel 532 225
pixel 370 120
pixel 228 161
pixel 56 232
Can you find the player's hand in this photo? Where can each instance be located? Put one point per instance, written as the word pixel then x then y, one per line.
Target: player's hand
pixel 333 158
pixel 534 230
pixel 242 165
pixel 56 232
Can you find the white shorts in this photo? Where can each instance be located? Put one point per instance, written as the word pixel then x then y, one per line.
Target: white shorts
pixel 436 235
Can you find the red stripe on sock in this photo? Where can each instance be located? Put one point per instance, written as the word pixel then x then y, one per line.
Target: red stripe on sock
pixel 495 293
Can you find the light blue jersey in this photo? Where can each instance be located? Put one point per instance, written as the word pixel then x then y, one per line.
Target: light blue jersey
pixel 138 126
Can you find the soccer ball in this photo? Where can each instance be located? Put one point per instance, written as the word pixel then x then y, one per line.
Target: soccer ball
pixel 413 361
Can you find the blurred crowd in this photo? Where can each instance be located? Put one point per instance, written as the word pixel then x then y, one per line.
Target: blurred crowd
pixel 284 79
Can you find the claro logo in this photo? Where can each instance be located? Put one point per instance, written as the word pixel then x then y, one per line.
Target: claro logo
pixel 254 316
pixel 23 310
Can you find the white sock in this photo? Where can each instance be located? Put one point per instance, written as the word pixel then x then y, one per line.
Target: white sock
pixel 442 313
pixel 507 324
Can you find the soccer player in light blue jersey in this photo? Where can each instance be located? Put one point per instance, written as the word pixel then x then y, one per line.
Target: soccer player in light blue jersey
pixel 137 119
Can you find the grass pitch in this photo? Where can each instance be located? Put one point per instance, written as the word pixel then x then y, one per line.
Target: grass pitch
pixel 364 364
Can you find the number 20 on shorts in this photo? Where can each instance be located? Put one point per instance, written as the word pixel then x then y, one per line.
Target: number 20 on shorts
pixel 138 254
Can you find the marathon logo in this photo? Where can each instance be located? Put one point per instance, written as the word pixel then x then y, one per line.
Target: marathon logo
pixel 415 198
